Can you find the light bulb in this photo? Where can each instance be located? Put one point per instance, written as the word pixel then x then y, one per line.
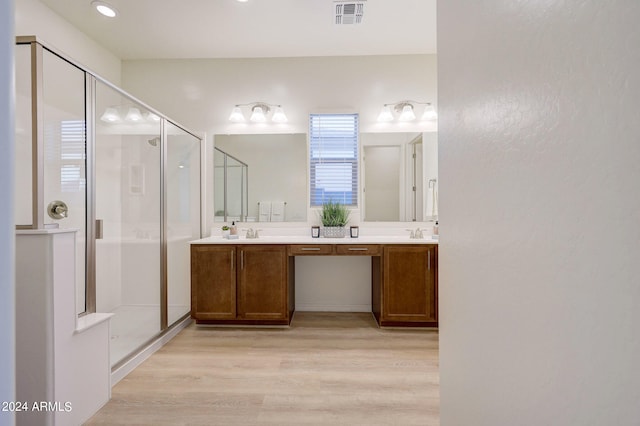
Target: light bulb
pixel 110 115
pixel 407 113
pixel 278 116
pixel 133 115
pixel 385 114
pixel 105 9
pixel 236 115
pixel 429 113
pixel 257 115
pixel 152 117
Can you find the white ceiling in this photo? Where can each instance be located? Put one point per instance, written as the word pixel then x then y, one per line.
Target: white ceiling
pixel 153 29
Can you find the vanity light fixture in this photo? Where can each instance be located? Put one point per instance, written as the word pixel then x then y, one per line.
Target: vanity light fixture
pixel 110 115
pixel 429 113
pixel 105 8
pixel 278 116
pixel 236 115
pixel 259 112
pixel 114 114
pixel 152 117
pixel 405 111
pixel 133 115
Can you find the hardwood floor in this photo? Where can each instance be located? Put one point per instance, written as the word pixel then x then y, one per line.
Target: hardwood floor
pixel 326 369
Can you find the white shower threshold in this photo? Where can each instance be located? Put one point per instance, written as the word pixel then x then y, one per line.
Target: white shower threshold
pixel 122 347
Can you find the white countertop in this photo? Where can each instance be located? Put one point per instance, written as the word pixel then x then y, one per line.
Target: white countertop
pixel 301 239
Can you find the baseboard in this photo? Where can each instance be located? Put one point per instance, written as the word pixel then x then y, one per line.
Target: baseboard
pixel 312 307
pixel 131 364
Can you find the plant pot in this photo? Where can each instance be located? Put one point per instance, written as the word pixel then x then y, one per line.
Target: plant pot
pixel 334 231
pixel 226 232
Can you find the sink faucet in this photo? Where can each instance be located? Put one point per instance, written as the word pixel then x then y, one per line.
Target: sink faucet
pixel 252 233
pixel 418 233
pixel 415 234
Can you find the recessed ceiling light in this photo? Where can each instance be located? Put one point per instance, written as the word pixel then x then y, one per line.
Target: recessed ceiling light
pixel 105 8
pixel 242 1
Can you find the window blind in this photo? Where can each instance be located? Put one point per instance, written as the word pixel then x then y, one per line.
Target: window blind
pixel 333 144
pixel 72 156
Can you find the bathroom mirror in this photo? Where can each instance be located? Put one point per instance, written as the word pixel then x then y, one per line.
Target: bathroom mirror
pixel 398 177
pixel 277 181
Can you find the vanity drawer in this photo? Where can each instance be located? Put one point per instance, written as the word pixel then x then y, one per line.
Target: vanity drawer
pixel 359 249
pixel 310 249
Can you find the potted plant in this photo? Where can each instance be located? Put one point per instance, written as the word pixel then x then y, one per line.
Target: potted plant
pixel 226 231
pixel 334 216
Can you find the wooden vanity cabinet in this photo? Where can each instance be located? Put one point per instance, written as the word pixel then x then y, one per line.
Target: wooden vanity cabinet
pixel 240 284
pixel 213 282
pixel 254 283
pixel 262 283
pixel 410 285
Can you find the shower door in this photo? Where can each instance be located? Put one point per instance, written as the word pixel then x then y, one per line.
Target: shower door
pixel 182 207
pixel 127 160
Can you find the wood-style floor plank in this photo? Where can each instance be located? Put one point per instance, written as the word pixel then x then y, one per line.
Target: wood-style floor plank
pixel 326 369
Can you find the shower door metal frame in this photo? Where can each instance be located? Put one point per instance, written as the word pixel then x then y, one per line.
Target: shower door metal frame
pixel 164 269
pixel 37 133
pixel 90 280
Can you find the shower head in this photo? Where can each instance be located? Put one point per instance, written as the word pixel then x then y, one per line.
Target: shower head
pixel 154 141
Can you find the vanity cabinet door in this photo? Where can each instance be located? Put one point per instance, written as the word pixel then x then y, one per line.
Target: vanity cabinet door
pixel 410 292
pixel 213 282
pixel 262 282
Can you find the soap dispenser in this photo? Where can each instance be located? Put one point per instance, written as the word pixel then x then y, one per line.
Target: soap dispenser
pixel 435 231
pixel 234 228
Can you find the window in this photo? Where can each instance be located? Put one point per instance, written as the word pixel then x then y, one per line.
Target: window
pixel 333 141
pixel 72 156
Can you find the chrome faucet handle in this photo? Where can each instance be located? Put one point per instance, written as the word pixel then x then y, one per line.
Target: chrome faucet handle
pixel 411 233
pixel 418 233
pixel 250 233
pixel 255 233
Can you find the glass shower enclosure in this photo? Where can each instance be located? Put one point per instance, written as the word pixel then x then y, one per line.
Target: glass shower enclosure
pixel 231 187
pixel 91 157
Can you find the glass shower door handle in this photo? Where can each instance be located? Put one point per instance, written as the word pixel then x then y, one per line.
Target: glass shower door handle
pixel 99 229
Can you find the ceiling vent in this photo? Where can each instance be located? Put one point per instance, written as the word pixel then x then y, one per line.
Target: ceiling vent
pixel 348 12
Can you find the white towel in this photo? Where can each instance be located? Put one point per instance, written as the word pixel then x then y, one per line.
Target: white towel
pixel 277 211
pixel 433 200
pixel 264 211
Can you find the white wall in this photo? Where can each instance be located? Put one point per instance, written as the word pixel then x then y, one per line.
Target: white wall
pixel 58 356
pixel 7 242
pixel 200 93
pixel 34 18
pixel 381 186
pixel 539 288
